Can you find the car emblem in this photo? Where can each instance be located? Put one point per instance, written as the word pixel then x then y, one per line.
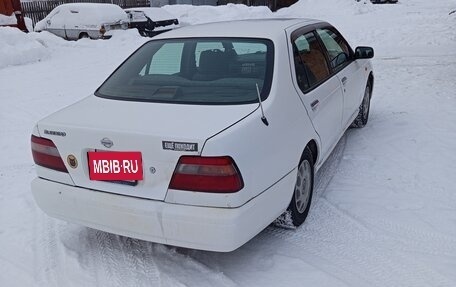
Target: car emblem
pixel 107 142
pixel 72 161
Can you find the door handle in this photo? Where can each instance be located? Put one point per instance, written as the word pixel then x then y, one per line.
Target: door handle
pixel 344 80
pixel 314 104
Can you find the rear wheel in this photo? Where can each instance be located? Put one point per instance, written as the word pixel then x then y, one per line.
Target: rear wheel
pixel 302 195
pixel 83 36
pixel 363 114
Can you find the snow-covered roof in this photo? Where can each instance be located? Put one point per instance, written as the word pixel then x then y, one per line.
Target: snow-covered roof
pixel 254 28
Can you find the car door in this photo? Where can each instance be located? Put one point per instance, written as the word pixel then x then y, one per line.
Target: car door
pixel 72 23
pixel 56 24
pixel 320 92
pixel 348 71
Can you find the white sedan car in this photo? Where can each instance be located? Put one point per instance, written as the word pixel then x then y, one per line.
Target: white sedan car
pixel 74 21
pixel 206 134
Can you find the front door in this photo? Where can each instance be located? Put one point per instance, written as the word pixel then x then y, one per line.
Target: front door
pixel 349 72
pixel 320 92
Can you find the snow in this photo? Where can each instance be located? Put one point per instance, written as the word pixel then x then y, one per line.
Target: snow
pixel 18 48
pixel 8 20
pixel 28 24
pixel 384 210
pixel 188 14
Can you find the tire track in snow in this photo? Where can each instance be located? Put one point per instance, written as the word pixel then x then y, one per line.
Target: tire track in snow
pixel 139 261
pixel 47 257
pixel 417 240
pixel 106 263
pixel 351 245
pixel 355 251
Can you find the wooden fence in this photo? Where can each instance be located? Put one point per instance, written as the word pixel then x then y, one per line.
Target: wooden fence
pixel 37 10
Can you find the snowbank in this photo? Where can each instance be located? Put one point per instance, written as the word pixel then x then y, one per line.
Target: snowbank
pixel 189 15
pixel 8 20
pixel 322 9
pixel 19 48
pixel 122 38
pixel 28 24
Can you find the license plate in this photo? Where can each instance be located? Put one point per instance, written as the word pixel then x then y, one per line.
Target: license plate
pixel 115 166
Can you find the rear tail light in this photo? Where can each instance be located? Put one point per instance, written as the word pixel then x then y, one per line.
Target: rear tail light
pixel 207 174
pixel 45 154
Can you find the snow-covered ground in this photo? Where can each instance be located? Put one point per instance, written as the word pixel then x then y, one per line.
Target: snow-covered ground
pixel 385 210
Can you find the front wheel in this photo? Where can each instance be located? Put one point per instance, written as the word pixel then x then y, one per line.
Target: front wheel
pixel 363 113
pixel 302 196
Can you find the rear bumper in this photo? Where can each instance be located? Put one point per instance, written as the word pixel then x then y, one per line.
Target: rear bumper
pixel 206 228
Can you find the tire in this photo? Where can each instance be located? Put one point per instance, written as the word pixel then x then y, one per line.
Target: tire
pixel 364 109
pixel 302 195
pixel 83 36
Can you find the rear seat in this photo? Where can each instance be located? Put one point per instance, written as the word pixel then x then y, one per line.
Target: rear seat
pixel 213 65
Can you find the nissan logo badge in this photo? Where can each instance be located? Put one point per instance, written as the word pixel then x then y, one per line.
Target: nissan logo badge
pixel 107 142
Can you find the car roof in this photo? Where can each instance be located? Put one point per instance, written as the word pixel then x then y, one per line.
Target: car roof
pixel 269 28
pixel 87 5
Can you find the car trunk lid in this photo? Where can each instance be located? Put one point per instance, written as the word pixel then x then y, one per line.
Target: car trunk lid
pixel 160 132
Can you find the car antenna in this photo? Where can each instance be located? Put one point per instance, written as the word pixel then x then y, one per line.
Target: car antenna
pixel 263 118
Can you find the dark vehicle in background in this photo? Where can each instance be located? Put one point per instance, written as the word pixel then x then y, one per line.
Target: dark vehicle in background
pixel 11 14
pixel 383 1
pixel 151 21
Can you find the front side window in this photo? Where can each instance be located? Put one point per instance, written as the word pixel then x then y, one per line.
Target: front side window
pixel 337 47
pixel 310 62
pixel 194 71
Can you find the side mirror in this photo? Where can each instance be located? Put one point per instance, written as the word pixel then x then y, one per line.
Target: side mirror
pixel 364 53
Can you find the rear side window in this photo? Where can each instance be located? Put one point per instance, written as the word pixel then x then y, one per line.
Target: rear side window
pixel 194 71
pixel 309 60
pixel 337 47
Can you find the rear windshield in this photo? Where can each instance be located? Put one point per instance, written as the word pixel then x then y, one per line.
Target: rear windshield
pixel 194 71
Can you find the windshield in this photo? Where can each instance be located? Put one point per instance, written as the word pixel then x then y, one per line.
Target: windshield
pixel 194 71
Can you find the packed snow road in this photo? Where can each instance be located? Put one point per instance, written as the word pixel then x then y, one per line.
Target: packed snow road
pixel 385 207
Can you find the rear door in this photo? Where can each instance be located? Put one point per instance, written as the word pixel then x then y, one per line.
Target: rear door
pixel 349 72
pixel 320 92
pixel 72 25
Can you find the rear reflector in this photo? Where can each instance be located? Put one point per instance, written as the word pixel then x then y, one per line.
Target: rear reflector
pixel 45 154
pixel 207 174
